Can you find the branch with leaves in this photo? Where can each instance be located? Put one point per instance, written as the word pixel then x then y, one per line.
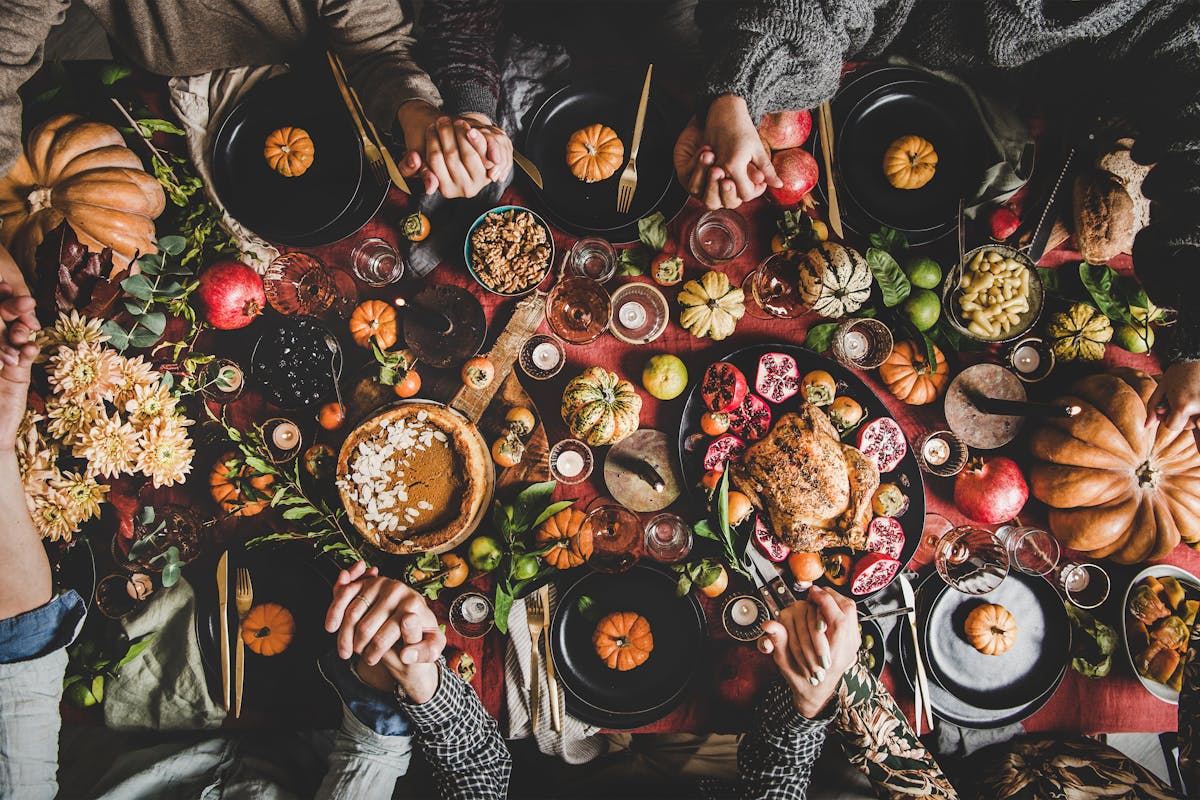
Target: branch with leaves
pixel 725 535
pixel 160 288
pixel 514 522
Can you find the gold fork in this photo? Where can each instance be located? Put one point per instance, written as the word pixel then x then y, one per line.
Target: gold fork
pixel 543 595
pixel 244 599
pixel 370 150
pixel 628 184
pixel 537 621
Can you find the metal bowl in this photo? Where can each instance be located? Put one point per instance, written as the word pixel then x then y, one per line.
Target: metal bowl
pixel 951 294
pixel 469 251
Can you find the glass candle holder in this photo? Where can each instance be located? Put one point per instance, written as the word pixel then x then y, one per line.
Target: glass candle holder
pixel 542 356
pixel 941 453
pixel 223 380
pixel 571 461
pixel 472 615
pixel 861 343
pixel 282 438
pixel 593 258
pixel 718 236
pixel 640 313
pixel 1031 359
pixel 743 616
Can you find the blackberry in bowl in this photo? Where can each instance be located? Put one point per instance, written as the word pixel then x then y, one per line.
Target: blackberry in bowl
pixel 294 363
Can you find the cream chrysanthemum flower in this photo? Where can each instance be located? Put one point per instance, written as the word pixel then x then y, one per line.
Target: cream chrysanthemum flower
pixel 70 330
pixel 53 516
pixel 83 493
pixel 166 457
pixel 150 404
pixel 68 417
pixel 135 372
pixel 110 446
pixel 86 371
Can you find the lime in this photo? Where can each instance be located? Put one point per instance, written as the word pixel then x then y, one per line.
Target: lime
pixel 80 695
pixel 665 377
pixel 1134 338
pixel 922 309
pixel 525 567
pixel 484 554
pixel 923 272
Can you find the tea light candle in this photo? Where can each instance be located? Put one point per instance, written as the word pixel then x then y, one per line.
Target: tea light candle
pixel 1076 579
pixel 855 344
pixel 1026 359
pixel 569 463
pixel 545 356
pixel 744 612
pixel 286 435
pixel 474 609
pixel 632 315
pixel 936 451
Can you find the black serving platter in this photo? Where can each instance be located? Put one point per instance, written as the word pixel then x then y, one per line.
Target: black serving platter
pixel 625 700
pixel 590 209
pixel 907 475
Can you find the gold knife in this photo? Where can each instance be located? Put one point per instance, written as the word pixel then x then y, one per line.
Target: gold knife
pixel 223 618
pixel 551 675
pixel 363 122
pixel 640 120
pixel 530 168
pixel 825 128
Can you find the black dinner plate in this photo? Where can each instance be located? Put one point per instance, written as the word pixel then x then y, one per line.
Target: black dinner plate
pixel 953 709
pixel 907 475
pixel 590 209
pixel 309 209
pixel 290 577
pixel 624 700
pixel 1026 671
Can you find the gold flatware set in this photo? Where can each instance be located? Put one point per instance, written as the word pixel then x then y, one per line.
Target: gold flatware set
pixel 537 612
pixel 243 599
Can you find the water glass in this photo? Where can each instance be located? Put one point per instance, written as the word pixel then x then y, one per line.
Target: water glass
pixel 1085 584
pixel 296 284
pixel 616 538
pixel 593 258
pixel 376 262
pixel 668 538
pixel 971 560
pixel 718 236
pixel 1030 550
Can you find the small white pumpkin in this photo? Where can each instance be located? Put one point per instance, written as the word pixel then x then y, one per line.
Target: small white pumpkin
pixel 835 281
pixel 711 306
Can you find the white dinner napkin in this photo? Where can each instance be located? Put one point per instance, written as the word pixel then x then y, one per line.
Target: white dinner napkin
pixel 579 742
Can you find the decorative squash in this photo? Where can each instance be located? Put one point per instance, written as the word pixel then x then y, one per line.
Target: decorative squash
pixel 373 319
pixel 600 408
pixel 268 629
pixel 910 377
pixel 1117 487
pixel 711 306
pixel 228 487
pixel 289 151
pixel 623 640
pixel 1080 333
pixel 991 629
pixel 835 281
pixel 910 162
pixel 83 173
pixel 571 534
pixel 594 153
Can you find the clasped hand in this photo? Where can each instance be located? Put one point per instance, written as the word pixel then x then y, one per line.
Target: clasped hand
pixel 458 156
pixel 726 163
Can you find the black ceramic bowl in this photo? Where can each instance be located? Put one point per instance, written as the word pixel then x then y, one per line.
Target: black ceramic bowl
pixel 294 363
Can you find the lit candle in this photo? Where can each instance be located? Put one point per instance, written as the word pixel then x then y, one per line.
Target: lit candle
pixel 286 435
pixel 936 451
pixel 474 609
pixel 569 463
pixel 744 612
pixel 1026 358
pixel 855 344
pixel 545 356
pixel 632 315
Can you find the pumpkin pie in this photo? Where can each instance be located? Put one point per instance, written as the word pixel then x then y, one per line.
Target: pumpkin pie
pixel 415 479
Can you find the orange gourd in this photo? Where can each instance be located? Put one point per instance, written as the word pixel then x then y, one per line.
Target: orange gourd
pixel 623 640
pixel 229 487
pixel 1117 488
pixel 909 376
pixel 373 319
pixel 571 536
pixel 594 153
pixel 289 151
pixel 268 629
pixel 80 172
pixel 910 162
pixel 991 629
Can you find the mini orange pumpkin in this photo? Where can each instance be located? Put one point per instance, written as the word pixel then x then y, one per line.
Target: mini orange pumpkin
pixel 227 487
pixel 910 162
pixel 268 629
pixel 991 629
pixel 571 536
pixel 289 151
pixel 908 375
pixel 623 640
pixel 594 153
pixel 373 319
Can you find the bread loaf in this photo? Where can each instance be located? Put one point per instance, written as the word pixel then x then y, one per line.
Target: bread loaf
pixel 1109 206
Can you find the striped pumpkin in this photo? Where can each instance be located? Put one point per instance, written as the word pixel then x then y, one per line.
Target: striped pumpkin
pixel 600 408
pixel 835 281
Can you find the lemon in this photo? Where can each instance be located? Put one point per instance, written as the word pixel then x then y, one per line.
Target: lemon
pixel 665 377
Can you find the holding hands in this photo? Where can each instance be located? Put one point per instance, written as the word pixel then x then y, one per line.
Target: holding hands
pixel 814 642
pixel 457 156
pixel 725 163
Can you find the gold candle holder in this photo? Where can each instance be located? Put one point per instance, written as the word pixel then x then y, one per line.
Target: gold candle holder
pixel 862 343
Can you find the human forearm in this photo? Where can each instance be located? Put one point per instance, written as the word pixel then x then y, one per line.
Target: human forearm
pixel 24 26
pixel 26 583
pixel 776 758
pixel 458 45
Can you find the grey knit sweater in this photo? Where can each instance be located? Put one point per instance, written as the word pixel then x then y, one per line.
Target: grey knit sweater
pixel 789 54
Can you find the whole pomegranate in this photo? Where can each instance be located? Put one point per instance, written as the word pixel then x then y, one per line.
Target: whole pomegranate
pixel 785 129
pixel 230 295
pixel 798 170
pixel 991 490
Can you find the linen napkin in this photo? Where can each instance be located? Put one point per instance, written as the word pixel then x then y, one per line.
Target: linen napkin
pixel 164 688
pixel 579 742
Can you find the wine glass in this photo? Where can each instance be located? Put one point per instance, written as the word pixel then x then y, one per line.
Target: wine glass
pixel 774 286
pixel 936 526
pixel 296 284
pixel 579 310
pixel 1030 550
pixel 971 560
pixel 616 538
pixel 1084 583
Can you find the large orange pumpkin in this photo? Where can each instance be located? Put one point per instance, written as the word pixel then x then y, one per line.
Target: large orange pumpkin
pixel 81 172
pixel 594 153
pixel 373 319
pixel 228 486
pixel 991 629
pixel 910 162
pixel 623 640
pixel 909 376
pixel 570 535
pixel 289 151
pixel 268 629
pixel 1116 487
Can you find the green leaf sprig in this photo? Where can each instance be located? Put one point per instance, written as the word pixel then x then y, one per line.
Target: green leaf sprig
pixel 724 534
pixel 697 573
pixel 160 287
pixel 514 522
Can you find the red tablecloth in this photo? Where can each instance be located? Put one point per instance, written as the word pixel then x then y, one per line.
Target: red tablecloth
pixel 733 673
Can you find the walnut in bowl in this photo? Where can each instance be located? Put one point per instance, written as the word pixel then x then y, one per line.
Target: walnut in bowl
pixel 509 250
